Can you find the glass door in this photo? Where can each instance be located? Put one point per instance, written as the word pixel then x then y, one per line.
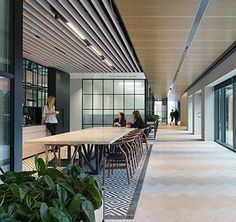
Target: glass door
pixel 229 115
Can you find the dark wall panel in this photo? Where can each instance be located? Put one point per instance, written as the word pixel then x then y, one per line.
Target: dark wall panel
pixel 59 86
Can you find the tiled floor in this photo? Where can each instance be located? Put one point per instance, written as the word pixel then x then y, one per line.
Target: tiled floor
pixel 188 180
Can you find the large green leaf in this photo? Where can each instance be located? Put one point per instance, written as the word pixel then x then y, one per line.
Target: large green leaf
pixel 75 207
pixel 62 195
pixel 40 165
pixel 44 213
pixel 59 215
pixel 54 174
pixel 48 180
pixel 67 186
pixel 88 210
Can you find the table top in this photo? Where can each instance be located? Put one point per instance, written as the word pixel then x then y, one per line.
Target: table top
pixel 96 135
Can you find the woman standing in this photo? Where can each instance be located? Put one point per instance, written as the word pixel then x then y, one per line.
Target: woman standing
pixel 49 115
pixel 120 121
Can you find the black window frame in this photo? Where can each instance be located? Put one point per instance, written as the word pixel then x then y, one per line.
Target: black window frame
pixel 220 102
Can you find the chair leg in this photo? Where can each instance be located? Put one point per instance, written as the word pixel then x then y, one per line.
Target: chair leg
pixel 104 171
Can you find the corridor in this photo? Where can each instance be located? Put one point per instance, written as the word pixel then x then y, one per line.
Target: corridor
pixel 188 180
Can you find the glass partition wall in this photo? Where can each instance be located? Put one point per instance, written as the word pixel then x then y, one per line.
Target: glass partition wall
pixel 103 99
pixel 224 113
pixel 11 28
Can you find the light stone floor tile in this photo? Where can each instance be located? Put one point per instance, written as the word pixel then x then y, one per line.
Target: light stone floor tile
pixel 187 180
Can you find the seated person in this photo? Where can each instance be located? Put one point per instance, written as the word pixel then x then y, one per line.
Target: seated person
pixel 120 120
pixel 138 121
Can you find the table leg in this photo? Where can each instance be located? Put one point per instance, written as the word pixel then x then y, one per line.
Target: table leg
pixel 68 152
pixel 97 164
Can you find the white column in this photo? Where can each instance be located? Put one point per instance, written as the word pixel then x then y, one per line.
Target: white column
pixel 190 114
pixel 208 110
pixel 197 113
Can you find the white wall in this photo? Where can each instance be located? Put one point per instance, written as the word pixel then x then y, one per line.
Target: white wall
pixel 222 72
pixel 75 104
pixel 184 110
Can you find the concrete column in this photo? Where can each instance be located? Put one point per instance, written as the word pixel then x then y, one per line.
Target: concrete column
pixel 190 114
pixel 208 110
pixel 197 113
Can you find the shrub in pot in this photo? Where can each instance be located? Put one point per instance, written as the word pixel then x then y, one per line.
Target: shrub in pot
pixel 152 118
pixel 50 196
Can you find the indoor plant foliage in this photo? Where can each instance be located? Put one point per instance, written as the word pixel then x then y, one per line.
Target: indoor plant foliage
pixel 152 118
pixel 51 196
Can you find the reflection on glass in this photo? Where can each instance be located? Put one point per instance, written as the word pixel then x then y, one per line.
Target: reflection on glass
pixel 87 117
pixel 219 114
pixel 108 86
pixel 129 101
pixel 229 115
pixel 129 86
pixel 29 77
pixel 5 36
pixel 4 122
pixel 97 117
pixel 108 117
pixel 87 86
pixel 108 101
pixel 139 86
pixel 87 101
pixel 31 97
pixel 139 102
pixel 97 102
pixel 97 87
pixel 118 87
pixel 118 101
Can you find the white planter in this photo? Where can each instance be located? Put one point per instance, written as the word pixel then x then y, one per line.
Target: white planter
pixel 150 122
pixel 99 214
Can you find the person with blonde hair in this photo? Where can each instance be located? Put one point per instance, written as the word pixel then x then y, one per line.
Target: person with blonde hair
pixel 49 115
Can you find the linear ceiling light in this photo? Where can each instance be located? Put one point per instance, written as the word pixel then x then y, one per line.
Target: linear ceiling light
pixel 76 30
pixel 95 50
pixel 107 62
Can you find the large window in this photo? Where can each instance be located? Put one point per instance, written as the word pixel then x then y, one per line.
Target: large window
pixel 4 123
pixel 224 106
pixel 5 70
pixel 103 99
pixel 5 36
pixel 35 84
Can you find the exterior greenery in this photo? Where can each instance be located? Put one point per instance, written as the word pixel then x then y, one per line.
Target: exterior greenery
pixel 49 197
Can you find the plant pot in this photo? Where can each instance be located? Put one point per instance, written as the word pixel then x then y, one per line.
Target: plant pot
pixel 99 214
pixel 150 122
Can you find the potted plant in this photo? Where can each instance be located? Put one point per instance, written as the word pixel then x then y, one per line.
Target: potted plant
pixel 152 119
pixel 50 196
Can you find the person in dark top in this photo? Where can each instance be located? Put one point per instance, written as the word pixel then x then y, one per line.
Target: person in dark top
pixel 138 121
pixel 176 116
pixel 120 121
pixel 171 117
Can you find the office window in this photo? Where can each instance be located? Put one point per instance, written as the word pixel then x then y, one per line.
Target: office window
pixel 35 84
pixel 4 123
pixel 229 115
pixel 104 99
pixel 224 114
pixel 5 36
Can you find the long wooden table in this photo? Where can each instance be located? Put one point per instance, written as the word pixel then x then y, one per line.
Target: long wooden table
pixel 90 143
